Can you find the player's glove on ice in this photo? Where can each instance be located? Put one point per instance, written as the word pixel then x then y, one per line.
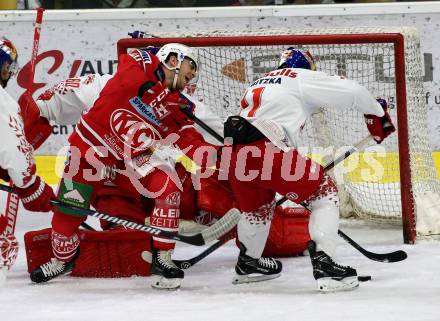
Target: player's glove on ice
pixel 380 127
pixel 36 198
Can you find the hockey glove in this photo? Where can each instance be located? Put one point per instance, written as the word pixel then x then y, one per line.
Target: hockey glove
pixel 36 198
pixel 8 250
pixel 175 118
pixel 4 175
pixel 37 129
pixel 380 127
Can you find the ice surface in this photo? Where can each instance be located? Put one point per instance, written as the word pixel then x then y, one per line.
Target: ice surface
pixel 404 291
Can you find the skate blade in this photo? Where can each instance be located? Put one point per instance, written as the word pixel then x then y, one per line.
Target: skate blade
pixel 161 283
pixel 327 285
pixel 252 278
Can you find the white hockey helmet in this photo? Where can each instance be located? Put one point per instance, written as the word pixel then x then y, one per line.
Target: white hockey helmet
pixel 181 52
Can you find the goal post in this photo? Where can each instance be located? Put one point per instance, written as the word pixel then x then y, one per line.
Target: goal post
pixel 385 60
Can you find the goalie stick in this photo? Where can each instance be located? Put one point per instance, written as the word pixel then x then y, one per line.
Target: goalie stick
pixel 225 224
pixel 391 257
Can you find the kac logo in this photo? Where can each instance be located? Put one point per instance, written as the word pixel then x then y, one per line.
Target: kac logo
pixel 132 130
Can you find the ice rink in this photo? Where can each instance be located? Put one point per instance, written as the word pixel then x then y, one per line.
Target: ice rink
pixel 404 291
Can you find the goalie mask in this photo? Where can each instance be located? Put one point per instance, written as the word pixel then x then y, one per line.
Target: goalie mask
pixel 296 58
pixel 8 60
pixel 181 52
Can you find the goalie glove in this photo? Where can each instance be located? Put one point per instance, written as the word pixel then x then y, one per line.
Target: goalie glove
pixel 36 198
pixel 4 175
pixel 37 129
pixel 380 127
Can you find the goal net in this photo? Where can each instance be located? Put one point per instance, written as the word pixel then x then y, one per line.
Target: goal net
pixel 394 182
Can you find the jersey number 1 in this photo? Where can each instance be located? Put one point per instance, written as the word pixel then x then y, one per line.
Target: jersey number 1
pixel 256 100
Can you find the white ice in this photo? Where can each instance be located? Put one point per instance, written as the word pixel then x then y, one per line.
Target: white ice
pixel 404 291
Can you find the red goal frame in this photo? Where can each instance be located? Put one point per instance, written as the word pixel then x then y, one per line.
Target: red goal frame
pixel 398 41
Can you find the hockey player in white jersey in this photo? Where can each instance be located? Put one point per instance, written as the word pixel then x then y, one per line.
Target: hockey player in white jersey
pixel 275 107
pixel 16 159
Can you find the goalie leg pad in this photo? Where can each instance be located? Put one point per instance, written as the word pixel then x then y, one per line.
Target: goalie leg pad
pixel 289 232
pixel 104 254
pixel 120 203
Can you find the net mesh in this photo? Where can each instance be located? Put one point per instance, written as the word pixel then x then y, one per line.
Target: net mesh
pixel 371 190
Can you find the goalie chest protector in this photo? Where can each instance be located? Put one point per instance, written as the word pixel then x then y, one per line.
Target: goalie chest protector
pixel 103 254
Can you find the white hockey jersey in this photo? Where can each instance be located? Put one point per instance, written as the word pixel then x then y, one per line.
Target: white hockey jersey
pixel 67 101
pixel 16 154
pixel 279 103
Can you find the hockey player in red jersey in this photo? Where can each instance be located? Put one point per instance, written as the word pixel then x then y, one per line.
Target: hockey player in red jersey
pixel 16 159
pixel 275 108
pixel 128 139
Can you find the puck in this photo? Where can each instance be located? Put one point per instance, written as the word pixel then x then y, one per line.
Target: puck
pixel 364 278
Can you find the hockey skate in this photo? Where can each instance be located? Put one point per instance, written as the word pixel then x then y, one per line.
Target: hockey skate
pixel 53 269
pixel 250 270
pixel 167 275
pixel 331 277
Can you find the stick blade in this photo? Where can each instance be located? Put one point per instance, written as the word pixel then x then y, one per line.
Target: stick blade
pixel 392 257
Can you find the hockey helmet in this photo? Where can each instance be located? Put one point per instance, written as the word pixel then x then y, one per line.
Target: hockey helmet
pixel 297 58
pixel 8 59
pixel 181 52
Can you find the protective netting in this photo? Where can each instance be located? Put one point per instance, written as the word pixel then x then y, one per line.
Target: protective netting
pixel 371 189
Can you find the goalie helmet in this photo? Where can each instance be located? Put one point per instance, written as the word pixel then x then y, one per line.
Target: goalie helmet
pixel 181 52
pixel 8 60
pixel 297 58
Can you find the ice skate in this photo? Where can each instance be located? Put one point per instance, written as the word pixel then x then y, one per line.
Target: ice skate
pixel 331 277
pixel 167 276
pixel 53 269
pixel 250 270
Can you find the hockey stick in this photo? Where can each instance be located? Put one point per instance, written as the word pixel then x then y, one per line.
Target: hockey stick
pixel 391 257
pixel 37 32
pixel 384 257
pixel 227 222
pixel 186 264
pixel 12 201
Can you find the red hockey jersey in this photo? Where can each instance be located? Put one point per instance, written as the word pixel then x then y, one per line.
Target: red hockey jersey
pixel 136 112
